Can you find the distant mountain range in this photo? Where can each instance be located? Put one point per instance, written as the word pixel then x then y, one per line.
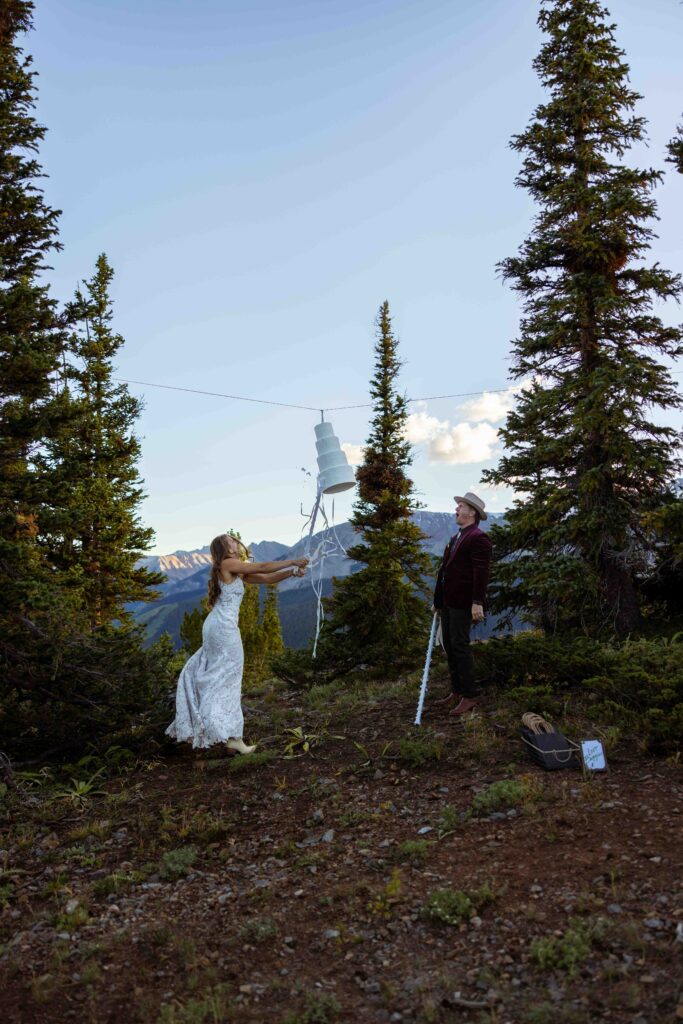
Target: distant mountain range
pixel 187 574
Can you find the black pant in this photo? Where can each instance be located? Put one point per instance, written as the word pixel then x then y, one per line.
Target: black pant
pixel 455 629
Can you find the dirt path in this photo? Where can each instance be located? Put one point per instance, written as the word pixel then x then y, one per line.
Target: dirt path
pixel 420 879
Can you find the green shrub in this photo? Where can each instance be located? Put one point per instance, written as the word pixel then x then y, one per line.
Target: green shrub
pixel 453 906
pixel 413 850
pixel 500 795
pixel 451 820
pixel 257 929
pixel 635 685
pixel 246 762
pixel 418 751
pixel 176 864
pixel 106 690
pixel 319 1009
pixel 567 952
pixel 212 1007
pixel 297 668
pixel 116 882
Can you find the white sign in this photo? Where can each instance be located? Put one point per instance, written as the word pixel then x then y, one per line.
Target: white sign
pixel 593 755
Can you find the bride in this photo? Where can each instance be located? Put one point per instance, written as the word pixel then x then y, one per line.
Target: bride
pixel 208 698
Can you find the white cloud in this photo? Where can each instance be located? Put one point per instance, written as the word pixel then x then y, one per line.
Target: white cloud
pixel 463 443
pixel 493 406
pixel 472 439
pixel 353 452
pixel 421 427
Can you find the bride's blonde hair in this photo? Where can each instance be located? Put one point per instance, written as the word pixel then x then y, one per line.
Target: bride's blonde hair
pixel 219 550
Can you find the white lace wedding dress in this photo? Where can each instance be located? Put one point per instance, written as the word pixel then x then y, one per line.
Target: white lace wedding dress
pixel 208 698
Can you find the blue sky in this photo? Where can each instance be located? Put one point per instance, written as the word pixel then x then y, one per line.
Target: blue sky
pixel 262 176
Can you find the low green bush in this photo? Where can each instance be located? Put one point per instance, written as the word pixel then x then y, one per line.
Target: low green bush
pixel 176 864
pixel 420 750
pixel 453 906
pixel 636 685
pixel 567 952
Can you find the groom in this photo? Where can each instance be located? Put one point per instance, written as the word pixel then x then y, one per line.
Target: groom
pixel 459 598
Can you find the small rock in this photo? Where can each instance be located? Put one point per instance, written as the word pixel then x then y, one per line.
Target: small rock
pixel 476 922
pixel 614 908
pixel 330 933
pixel 328 836
pixel 72 906
pixel 653 922
pixel 424 830
pixel 536 888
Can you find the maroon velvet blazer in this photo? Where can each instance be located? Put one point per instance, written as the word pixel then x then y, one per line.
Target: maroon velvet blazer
pixel 464 571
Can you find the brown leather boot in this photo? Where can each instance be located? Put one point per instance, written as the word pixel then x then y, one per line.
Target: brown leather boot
pixel 466 705
pixel 448 700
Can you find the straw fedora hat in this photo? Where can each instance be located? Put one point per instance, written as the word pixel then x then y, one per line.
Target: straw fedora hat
pixel 474 501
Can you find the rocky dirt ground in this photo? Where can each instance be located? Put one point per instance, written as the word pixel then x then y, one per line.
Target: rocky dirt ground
pixel 356 869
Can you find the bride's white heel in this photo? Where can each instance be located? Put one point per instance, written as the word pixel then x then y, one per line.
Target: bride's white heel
pixel 239 746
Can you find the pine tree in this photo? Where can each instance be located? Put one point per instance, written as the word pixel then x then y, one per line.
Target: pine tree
pixel 675 148
pixel 252 634
pixel 271 629
pixel 60 684
pixel 191 628
pixel 588 463
pixel 31 338
pixel 92 522
pixel 379 615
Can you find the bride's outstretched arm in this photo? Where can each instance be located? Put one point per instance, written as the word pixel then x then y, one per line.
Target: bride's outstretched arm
pixel 238 568
pixel 273 577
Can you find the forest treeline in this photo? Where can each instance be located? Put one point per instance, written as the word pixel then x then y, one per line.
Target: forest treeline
pixel 591 550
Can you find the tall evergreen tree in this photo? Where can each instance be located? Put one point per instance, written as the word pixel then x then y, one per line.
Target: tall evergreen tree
pixel 191 628
pixel 589 463
pixel 379 615
pixel 60 684
pixel 251 633
pixel 271 628
pixel 31 338
pixel 32 605
pixel 675 148
pixel 96 535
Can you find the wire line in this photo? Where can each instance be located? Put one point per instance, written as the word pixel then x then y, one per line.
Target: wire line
pixel 216 394
pixel 307 408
